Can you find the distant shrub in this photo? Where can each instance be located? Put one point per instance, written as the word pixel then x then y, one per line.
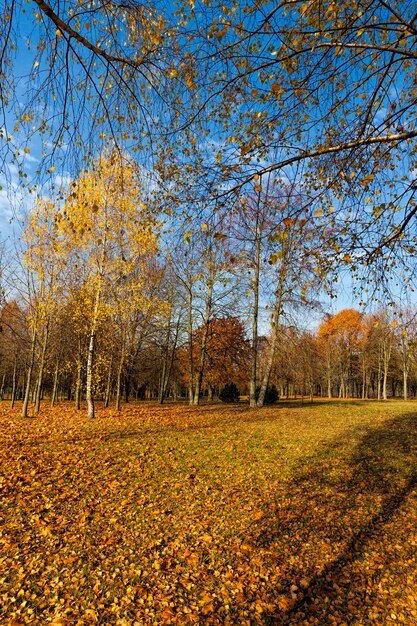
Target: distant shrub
pixel 229 393
pixel 271 394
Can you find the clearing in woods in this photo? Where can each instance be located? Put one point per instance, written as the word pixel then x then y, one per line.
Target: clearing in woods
pixel 210 515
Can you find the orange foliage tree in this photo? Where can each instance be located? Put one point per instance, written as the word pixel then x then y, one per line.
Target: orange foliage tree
pixel 227 354
pixel 340 338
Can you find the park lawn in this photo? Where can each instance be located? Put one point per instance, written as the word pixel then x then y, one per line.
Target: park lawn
pixel 293 514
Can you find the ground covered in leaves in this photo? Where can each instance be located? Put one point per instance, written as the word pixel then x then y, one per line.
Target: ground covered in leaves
pixel 210 515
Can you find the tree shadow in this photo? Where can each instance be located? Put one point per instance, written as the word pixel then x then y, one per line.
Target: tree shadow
pixel 339 531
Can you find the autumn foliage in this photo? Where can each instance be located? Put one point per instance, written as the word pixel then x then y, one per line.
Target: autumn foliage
pixel 185 183
pixel 227 353
pixel 210 515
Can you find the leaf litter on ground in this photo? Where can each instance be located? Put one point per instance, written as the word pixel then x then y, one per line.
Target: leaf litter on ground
pixel 301 514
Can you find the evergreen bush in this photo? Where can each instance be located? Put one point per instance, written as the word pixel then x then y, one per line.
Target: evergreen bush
pixel 271 394
pixel 229 393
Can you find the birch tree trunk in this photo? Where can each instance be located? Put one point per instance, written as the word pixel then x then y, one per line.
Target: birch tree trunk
pixel 108 386
pixel 406 366
pixel 190 346
pixel 2 387
pixel 29 375
pixel 329 371
pixel 255 317
pixel 386 362
pixel 379 375
pixel 78 380
pixel 55 387
pixel 93 330
pixel 275 333
pixel 165 357
pixel 14 381
pixel 90 358
pixel 165 381
pixel 206 326
pixel 364 381
pixel 38 388
pixel 119 380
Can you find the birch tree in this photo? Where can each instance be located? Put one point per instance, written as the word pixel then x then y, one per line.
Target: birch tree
pixel 277 242
pixel 107 229
pixel 45 270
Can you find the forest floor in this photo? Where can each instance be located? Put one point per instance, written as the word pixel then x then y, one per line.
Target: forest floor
pixel 293 514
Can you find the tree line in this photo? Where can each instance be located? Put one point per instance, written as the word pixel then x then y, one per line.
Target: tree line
pixel 350 355
pixel 109 298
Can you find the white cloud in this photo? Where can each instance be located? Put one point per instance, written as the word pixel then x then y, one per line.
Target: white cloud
pixel 62 181
pixel 15 200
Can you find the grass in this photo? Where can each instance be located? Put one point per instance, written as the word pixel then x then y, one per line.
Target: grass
pixel 294 514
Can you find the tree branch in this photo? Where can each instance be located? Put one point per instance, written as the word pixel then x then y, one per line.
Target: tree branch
pixel 66 28
pixel 391 138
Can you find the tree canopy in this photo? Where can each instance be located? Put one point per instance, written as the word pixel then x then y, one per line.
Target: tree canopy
pixel 213 97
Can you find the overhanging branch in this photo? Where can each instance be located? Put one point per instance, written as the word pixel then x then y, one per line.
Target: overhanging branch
pixel 64 27
pixel 303 156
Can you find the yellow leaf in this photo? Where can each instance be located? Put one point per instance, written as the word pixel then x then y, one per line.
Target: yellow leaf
pixel 274 257
pixel 205 598
pixel 318 212
pixel 167 614
pixel 91 613
pixel 276 89
pixel 58 33
pixel 27 151
pixel 368 179
pixel 204 227
pixel 189 79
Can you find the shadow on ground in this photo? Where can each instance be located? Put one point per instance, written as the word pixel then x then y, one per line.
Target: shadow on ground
pixel 343 532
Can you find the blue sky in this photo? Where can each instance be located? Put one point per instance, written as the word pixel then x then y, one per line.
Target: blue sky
pixel 15 200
